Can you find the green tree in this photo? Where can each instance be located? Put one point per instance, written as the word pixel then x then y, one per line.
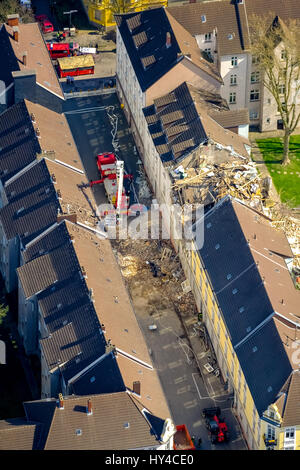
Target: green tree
pixel 276 47
pixel 3 312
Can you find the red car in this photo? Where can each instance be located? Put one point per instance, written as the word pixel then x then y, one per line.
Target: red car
pixel 46 25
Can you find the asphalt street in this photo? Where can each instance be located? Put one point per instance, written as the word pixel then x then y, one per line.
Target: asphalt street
pixel 99 125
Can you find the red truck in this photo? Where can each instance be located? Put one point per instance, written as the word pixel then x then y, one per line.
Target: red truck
pixel 58 50
pixel 216 426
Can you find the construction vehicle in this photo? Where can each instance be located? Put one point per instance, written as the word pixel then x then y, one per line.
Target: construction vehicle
pixel 216 426
pixel 182 439
pixel 112 177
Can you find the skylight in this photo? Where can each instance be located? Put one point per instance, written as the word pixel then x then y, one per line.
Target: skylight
pixel 203 18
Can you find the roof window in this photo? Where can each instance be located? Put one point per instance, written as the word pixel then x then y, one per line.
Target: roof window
pixel 203 18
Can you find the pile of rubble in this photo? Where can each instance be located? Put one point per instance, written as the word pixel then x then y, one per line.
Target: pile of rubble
pixel 208 184
pixel 155 262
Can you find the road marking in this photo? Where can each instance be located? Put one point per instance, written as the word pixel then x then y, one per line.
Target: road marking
pixel 201 398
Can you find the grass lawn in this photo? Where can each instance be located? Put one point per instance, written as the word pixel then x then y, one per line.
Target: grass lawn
pixel 286 179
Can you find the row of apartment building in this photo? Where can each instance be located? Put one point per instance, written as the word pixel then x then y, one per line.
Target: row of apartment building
pixel 99 389
pixel 241 275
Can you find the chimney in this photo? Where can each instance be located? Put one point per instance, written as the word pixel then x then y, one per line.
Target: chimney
pixel 16 33
pixel 61 401
pixel 89 407
pixel 103 327
pixel 136 387
pixel 25 58
pixel 168 39
pixel 70 217
pixel 13 20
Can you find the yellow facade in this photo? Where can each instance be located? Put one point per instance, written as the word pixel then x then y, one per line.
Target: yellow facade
pixel 256 427
pixel 102 12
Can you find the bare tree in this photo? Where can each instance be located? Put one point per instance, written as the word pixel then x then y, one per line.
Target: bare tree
pixel 275 45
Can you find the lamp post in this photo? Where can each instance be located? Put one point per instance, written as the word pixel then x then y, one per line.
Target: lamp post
pixel 70 13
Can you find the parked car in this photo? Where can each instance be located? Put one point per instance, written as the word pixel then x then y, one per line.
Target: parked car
pixel 46 25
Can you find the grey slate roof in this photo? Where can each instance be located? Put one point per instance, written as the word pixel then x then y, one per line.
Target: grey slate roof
pixel 265 365
pixel 244 303
pixel 174 124
pixel 18 142
pixel 32 203
pixel 160 59
pixel 238 278
pixel 103 377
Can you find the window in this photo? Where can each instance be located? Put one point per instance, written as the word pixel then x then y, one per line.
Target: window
pixel 255 77
pixel 234 61
pixel 254 95
pixel 270 432
pixel 208 52
pixel 203 18
pixel 281 89
pixel 253 115
pixel 232 98
pixel 233 79
pixel 289 439
pixel 207 37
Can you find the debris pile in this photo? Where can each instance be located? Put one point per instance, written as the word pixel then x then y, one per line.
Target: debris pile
pixel 208 184
pixel 155 262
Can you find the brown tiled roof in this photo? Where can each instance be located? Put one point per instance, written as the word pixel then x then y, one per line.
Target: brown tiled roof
pixel 17 434
pixel 222 136
pixel 219 14
pixel 230 118
pixel 44 271
pixel 148 60
pixel 140 39
pixel 115 311
pixel 284 8
pixel 76 196
pixel 189 47
pixel 38 59
pixel 291 411
pixel 61 346
pixel 55 140
pixel 116 423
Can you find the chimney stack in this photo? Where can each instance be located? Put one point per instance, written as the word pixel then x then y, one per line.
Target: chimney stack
pixel 89 407
pixel 168 39
pixel 137 387
pixel 25 58
pixel 61 401
pixel 16 33
pixel 13 20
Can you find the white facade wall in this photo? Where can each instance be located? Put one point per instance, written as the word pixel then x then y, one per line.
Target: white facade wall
pixel 129 90
pixel 234 69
